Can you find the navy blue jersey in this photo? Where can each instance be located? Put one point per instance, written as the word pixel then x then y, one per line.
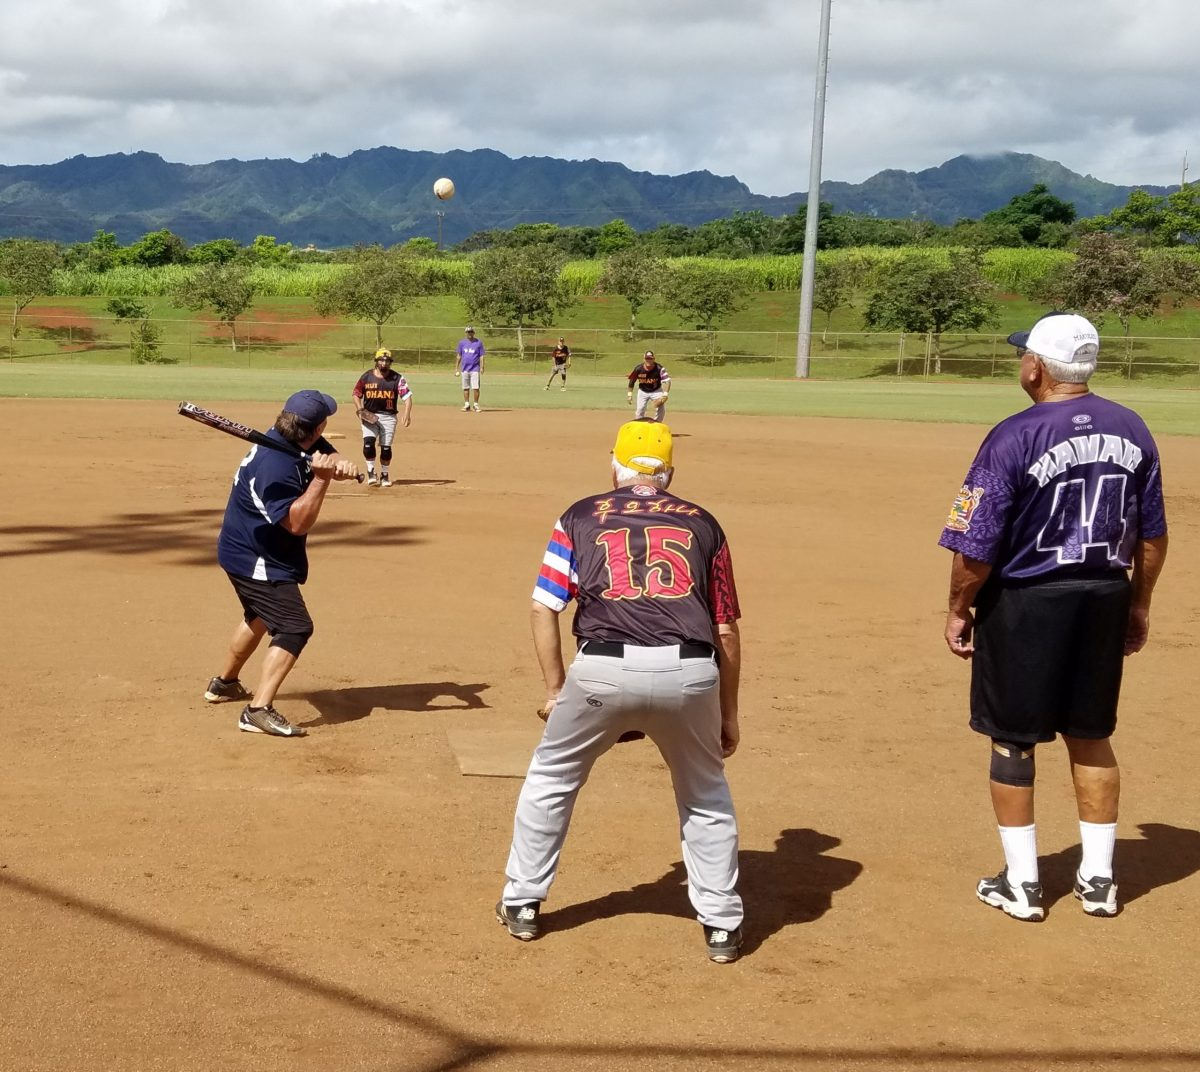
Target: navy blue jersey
pixel 253 543
pixel 1060 489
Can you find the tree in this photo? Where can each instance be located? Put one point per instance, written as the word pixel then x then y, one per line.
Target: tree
pixel 832 288
pixel 517 286
pixel 144 337
pixel 224 288
pixel 1111 276
pixel 701 296
pixel 156 248
pixel 1160 221
pixel 98 255
pixel 615 236
pixel 264 250
pixel 376 285
pixel 920 293
pixel 218 251
pixel 27 267
pixel 635 274
pixel 1034 218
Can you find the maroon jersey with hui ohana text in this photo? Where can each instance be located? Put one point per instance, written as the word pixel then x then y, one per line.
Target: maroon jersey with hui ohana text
pixel 644 567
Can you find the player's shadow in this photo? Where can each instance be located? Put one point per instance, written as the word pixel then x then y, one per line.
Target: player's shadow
pixel 349 705
pixel 422 481
pixel 1162 855
pixel 792 883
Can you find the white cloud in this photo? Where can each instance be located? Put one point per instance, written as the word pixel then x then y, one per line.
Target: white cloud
pixel 680 85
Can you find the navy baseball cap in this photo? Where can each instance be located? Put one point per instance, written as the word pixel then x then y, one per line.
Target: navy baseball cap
pixel 312 407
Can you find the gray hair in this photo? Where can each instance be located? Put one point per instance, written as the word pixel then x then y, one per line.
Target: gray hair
pixel 1073 372
pixel 624 476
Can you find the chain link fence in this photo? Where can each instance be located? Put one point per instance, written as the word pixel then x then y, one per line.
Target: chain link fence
pixel 45 337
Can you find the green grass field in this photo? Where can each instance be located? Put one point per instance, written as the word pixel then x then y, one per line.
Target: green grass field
pixel 1167 410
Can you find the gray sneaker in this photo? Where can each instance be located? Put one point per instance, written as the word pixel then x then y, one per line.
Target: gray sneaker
pixel 724 947
pixel 1098 896
pixel 268 720
pixel 219 690
pixel 521 920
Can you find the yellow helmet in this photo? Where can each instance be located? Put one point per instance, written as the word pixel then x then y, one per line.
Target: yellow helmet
pixel 383 353
pixel 644 446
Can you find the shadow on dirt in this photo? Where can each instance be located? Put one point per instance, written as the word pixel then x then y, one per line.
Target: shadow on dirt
pixel 185 538
pixel 349 705
pixel 1161 856
pixel 793 883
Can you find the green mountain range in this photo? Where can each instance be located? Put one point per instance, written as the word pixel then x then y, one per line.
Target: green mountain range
pixel 385 195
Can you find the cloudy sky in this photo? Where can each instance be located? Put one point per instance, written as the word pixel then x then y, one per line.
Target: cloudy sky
pixel 1107 87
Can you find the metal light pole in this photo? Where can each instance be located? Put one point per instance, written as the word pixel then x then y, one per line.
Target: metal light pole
pixel 809 269
pixel 441 214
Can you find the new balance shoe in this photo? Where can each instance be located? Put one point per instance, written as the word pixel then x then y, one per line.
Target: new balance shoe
pixel 385 483
pixel 220 690
pixel 268 720
pixel 724 947
pixel 521 920
pixel 1098 895
pixel 1021 901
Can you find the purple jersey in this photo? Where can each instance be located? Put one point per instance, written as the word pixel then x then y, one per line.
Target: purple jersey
pixel 470 351
pixel 1060 488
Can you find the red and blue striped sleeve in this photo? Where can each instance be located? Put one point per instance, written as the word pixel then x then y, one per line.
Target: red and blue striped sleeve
pixel 558 579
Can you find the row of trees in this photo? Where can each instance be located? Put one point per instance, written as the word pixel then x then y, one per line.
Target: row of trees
pixel 927 292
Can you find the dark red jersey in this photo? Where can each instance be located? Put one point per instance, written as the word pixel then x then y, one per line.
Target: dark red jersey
pixel 381 392
pixel 649 379
pixel 560 354
pixel 644 567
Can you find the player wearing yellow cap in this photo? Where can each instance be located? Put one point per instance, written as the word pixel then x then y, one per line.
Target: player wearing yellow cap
pixel 658 655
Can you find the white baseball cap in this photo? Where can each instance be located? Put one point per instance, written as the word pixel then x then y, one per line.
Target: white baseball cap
pixel 1065 337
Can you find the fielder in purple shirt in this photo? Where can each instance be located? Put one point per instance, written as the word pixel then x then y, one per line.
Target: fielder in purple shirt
pixel 468 362
pixel 1062 501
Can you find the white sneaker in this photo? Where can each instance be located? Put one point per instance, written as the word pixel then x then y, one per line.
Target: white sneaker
pixel 371 481
pixel 1098 895
pixel 385 483
pixel 562 388
pixel 466 407
pixel 476 407
pixel 1022 900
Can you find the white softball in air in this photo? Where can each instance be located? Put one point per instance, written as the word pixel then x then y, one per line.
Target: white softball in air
pixel 443 189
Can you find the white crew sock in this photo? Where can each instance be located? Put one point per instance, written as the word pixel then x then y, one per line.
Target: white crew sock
pixel 370 468
pixel 1098 841
pixel 1020 852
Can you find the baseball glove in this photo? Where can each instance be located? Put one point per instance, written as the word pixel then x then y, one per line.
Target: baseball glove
pixel 367 417
pixel 658 404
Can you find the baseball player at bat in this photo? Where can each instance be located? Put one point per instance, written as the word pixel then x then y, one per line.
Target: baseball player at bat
pixel 1062 501
pixel 275 500
pixel 377 398
pixel 658 652
pixel 653 384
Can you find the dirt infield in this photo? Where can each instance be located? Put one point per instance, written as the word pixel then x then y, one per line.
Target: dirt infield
pixel 177 895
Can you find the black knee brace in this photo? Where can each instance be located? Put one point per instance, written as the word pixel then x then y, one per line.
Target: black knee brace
pixel 1013 764
pixel 369 449
pixel 385 454
pixel 292 642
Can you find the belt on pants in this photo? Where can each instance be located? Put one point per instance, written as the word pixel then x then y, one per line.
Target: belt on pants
pixel 614 649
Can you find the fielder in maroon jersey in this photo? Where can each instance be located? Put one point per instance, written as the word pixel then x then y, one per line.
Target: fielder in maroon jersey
pixel 1062 501
pixel 658 655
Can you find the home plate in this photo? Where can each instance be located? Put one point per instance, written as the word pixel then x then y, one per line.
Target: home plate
pixel 490 751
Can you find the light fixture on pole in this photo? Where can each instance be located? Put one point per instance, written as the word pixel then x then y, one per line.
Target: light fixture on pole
pixel 809 268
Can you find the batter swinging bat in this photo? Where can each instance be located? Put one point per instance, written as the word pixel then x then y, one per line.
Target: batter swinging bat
pixel 241 431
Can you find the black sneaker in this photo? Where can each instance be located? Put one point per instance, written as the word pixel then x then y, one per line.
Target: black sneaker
pixel 1098 895
pixel 521 920
pixel 268 720
pixel 724 947
pixel 220 690
pixel 1023 901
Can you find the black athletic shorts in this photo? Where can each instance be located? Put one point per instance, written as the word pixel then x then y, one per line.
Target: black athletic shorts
pixel 1048 659
pixel 278 604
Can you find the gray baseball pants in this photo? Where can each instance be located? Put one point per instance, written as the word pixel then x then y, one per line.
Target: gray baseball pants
pixel 676 702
